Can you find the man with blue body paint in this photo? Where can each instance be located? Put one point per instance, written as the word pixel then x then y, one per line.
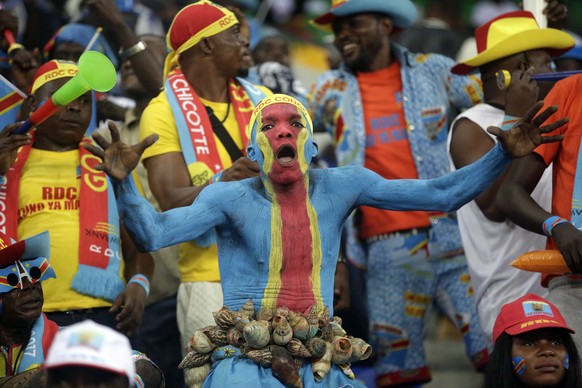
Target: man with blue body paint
pixel 279 234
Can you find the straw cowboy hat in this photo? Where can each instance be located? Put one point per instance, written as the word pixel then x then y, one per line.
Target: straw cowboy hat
pixel 402 12
pixel 513 33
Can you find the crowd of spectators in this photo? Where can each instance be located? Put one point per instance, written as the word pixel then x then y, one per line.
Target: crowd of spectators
pixel 405 89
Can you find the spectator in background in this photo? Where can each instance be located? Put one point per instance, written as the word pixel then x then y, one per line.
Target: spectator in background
pixel 571 60
pixel 563 223
pixel 273 68
pixel 25 332
pixel 245 9
pixel 485 10
pixel 515 43
pixel 87 354
pixel 51 184
pixel 205 58
pixel 440 31
pixel 159 336
pixel 533 347
pixel 72 40
pixel 387 110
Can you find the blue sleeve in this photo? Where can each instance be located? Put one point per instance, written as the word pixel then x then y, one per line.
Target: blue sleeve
pixel 464 91
pixel 152 230
pixel 446 193
pixel 324 100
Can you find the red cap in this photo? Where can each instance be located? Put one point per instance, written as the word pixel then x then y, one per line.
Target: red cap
pixel 530 312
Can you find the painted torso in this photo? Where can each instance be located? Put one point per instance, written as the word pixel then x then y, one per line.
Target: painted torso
pixel 270 251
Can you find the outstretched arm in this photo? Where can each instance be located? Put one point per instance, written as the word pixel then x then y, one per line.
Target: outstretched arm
pixel 152 230
pixel 149 229
pixel 451 191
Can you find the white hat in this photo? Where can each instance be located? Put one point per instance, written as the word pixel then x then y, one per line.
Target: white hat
pixel 92 345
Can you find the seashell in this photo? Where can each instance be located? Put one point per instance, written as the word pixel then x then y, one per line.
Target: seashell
pixel 293 318
pixel 283 333
pixel 326 333
pixel 199 342
pixel 337 329
pixel 313 321
pixel 298 362
pixel 196 376
pixel 297 349
pixel 216 335
pixel 324 317
pixel 222 352
pixel 301 328
pixel 267 324
pixel 235 337
pixel 256 335
pixel 284 367
pixel 312 315
pixel 261 356
pixel 194 359
pixel 248 309
pixel 361 350
pixel 321 366
pixel 244 348
pixel 336 319
pixel 347 370
pixel 225 317
pixel 265 314
pixel 284 311
pixel 341 350
pixel 241 321
pixel 316 346
pixel 314 331
pixel 277 320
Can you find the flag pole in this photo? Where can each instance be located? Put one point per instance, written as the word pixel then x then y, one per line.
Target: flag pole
pixel 93 39
pixel 12 86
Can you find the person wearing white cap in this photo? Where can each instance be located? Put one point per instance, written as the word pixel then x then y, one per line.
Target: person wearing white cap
pixel 387 110
pixel 87 354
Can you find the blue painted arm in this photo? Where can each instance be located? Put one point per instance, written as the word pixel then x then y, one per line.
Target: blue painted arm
pixel 152 230
pixel 446 193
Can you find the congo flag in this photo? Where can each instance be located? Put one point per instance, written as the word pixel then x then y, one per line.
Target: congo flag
pixel 10 102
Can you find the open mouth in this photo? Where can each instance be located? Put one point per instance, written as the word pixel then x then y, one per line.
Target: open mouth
pixel 286 154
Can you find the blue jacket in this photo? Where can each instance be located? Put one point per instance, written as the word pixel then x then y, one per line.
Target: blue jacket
pixel 428 91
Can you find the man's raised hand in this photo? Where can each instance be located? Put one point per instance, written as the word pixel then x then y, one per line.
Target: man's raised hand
pixel 527 133
pixel 119 159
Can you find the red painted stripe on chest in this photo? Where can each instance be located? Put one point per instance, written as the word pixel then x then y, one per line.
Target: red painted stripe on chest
pixel 296 286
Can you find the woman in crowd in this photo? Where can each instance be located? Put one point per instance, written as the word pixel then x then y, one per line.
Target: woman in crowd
pixel 533 347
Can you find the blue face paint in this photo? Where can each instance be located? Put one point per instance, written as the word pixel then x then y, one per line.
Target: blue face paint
pixel 518 365
pixel 567 361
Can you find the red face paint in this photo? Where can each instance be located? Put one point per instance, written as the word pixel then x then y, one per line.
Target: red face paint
pixel 284 129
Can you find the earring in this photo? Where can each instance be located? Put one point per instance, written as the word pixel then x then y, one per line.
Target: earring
pixel 567 361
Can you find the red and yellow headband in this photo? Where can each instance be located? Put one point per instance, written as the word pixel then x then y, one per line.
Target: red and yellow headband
pixel 192 24
pixel 51 71
pixel 277 99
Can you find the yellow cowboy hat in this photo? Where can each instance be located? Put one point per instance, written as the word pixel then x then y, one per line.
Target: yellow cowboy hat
pixel 513 33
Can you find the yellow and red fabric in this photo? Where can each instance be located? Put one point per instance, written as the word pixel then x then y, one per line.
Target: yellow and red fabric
pixel 512 33
pixel 193 23
pixel 51 71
